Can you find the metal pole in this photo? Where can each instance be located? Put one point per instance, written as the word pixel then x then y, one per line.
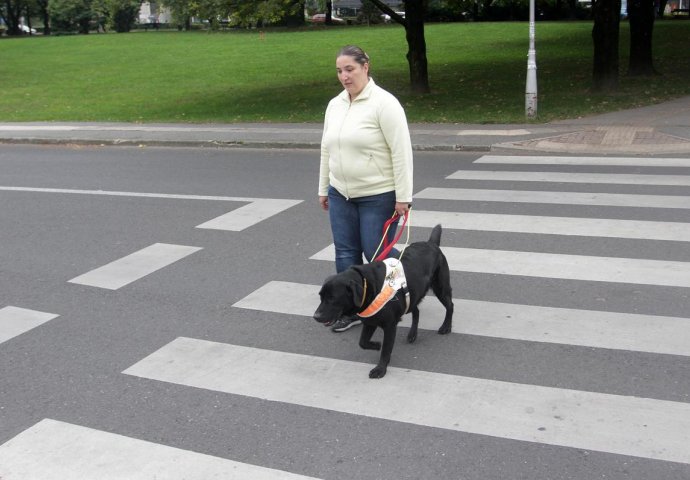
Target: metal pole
pixel 531 88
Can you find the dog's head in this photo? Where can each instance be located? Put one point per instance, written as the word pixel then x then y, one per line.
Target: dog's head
pixel 341 295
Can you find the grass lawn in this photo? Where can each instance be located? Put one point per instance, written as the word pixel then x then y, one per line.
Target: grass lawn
pixel 477 73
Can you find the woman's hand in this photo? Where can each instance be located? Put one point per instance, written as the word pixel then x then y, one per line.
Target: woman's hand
pixel 324 202
pixel 401 208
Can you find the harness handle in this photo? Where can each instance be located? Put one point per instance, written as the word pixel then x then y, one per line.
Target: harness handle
pixel 387 247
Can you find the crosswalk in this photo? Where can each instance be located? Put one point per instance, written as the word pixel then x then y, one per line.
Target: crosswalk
pixel 648 429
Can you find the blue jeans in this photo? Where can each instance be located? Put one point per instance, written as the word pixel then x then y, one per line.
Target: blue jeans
pixel 357 226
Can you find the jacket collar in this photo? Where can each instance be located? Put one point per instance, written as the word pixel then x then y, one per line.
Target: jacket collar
pixel 363 95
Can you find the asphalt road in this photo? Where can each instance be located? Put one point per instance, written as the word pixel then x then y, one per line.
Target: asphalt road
pixel 61 219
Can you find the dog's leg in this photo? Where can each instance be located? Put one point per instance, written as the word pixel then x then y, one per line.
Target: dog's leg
pixel 365 338
pixel 412 335
pixel 388 341
pixel 444 292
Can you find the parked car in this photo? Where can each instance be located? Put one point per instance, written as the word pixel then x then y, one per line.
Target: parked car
pixel 387 18
pixel 26 29
pixel 321 18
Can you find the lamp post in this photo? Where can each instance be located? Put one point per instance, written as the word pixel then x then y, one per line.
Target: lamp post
pixel 531 88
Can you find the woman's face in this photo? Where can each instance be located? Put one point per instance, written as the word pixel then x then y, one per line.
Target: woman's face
pixel 353 76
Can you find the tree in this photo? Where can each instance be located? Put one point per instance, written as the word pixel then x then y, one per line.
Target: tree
pixel 11 12
pixel 70 15
pixel 43 11
pixel 181 12
pixel 123 14
pixel 641 15
pixel 416 42
pixel 605 34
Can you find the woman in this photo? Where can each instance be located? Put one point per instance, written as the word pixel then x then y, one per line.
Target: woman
pixel 366 164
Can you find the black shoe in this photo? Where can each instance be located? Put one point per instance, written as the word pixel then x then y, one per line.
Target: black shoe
pixel 346 323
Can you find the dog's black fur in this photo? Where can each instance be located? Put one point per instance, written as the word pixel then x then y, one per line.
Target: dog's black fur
pixel 425 267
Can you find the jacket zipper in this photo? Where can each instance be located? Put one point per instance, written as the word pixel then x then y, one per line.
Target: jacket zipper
pixel 342 171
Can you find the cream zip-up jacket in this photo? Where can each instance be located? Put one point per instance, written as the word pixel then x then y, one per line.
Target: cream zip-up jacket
pixel 366 147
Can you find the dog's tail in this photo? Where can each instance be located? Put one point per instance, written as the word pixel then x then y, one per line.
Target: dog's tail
pixel 435 236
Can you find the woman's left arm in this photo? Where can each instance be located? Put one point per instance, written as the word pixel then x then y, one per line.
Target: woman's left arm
pixel 393 124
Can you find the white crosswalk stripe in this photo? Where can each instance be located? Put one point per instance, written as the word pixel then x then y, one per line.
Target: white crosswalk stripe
pixel 15 321
pixel 625 425
pixel 250 214
pixel 590 328
pixel 551 265
pixel 137 265
pixel 593 161
pixel 559 198
pixel 53 449
pixel 570 177
pixel 585 227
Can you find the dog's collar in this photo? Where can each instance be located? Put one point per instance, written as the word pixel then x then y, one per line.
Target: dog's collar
pixel 393 282
pixel 364 293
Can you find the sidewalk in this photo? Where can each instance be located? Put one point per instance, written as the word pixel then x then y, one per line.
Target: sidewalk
pixel 661 129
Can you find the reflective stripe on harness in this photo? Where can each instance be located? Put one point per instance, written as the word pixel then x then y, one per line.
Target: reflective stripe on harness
pixel 393 282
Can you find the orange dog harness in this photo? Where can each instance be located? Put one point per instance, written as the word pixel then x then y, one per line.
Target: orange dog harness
pixel 393 282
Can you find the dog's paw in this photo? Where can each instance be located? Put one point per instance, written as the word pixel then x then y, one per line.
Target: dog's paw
pixel 411 337
pixel 444 329
pixel 377 372
pixel 371 345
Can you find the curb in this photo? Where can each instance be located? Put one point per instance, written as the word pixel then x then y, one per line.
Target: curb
pixel 220 144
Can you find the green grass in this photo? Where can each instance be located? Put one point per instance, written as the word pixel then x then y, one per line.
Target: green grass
pixel 477 74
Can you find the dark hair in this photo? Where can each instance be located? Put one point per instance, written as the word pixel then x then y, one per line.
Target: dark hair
pixel 355 52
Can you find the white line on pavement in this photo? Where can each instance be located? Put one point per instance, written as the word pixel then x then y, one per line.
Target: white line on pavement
pixel 569 177
pixel 633 426
pixel 257 210
pixel 585 227
pixel 127 194
pixel 562 198
pixel 14 321
pixel 249 215
pixel 567 267
pixel 57 450
pixel 589 328
pixel 609 161
pixel 127 269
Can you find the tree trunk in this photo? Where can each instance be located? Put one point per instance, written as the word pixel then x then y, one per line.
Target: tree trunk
pixel 329 13
pixel 12 14
pixel 605 35
pixel 416 43
pixel 661 9
pixel 641 17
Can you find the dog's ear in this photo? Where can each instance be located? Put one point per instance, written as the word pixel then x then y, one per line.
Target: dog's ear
pixel 357 291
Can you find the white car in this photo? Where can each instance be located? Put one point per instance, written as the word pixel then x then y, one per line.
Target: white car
pixel 26 29
pixel 387 18
pixel 321 18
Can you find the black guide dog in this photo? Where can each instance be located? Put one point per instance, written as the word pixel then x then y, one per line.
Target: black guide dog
pixel 352 291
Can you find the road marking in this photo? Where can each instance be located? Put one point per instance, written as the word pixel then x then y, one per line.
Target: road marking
pixel 567 267
pixel 585 227
pixel 127 269
pixel 566 177
pixel 639 427
pixel 588 328
pixel 15 320
pixel 608 161
pixel 562 198
pixel 148 128
pixel 59 450
pixel 249 215
pixel 257 210
pixel 127 194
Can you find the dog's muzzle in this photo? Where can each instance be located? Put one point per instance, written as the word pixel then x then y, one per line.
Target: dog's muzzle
pixel 326 321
